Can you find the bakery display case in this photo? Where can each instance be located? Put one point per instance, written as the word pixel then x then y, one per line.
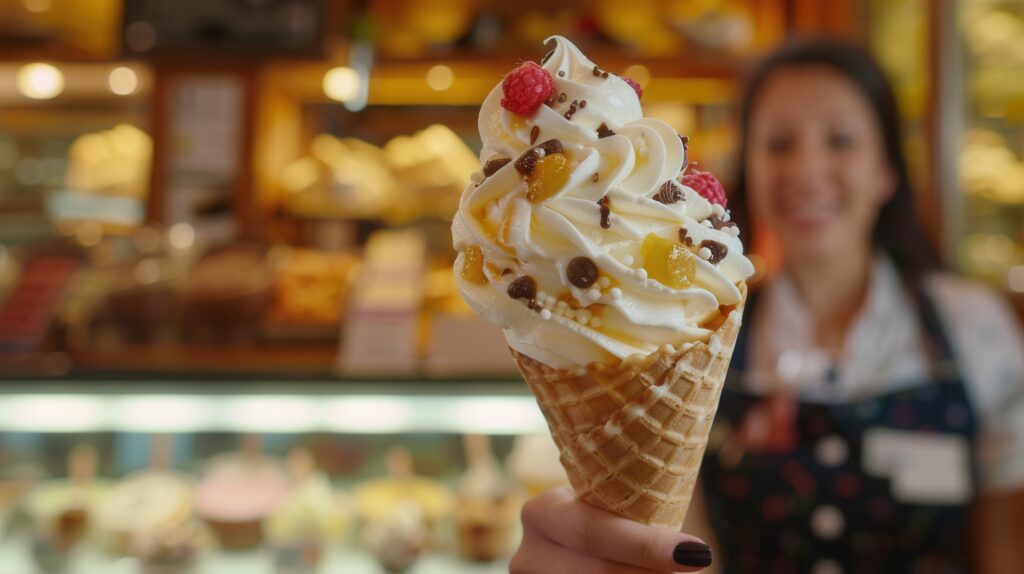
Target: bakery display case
pixel 283 476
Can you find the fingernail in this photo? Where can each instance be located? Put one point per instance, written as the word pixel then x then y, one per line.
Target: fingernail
pixel 692 554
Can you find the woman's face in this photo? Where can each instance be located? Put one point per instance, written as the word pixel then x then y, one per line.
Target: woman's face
pixel 816 163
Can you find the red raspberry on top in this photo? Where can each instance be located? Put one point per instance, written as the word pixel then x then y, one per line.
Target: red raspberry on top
pixel 526 88
pixel 633 84
pixel 707 185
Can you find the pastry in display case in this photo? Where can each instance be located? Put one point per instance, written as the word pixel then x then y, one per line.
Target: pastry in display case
pixel 238 492
pixel 309 293
pixel 486 504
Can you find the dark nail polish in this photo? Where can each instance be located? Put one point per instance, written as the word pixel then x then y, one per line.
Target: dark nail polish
pixel 692 554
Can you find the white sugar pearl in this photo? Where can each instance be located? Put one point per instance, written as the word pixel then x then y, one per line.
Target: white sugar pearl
pixel 594 294
pixel 704 253
pixel 583 315
pixel 604 282
pixel 539 151
pixel 545 314
pixel 734 231
pixel 706 223
pixel 641 273
pixel 668 349
pixel 627 259
pixel 615 292
pixel 561 306
pixel 727 216
pixel 718 210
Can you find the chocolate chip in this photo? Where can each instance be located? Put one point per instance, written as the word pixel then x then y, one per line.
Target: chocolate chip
pixel 718 250
pixel 583 104
pixel 684 238
pixel 523 288
pixel 605 212
pixel 561 73
pixel 493 165
pixel 581 272
pixel 562 97
pixel 686 141
pixel 547 57
pixel 669 193
pixel 595 177
pixel 604 131
pixel 604 74
pixel 534 132
pixel 505 271
pixel 527 162
pixel 551 146
pixel 596 71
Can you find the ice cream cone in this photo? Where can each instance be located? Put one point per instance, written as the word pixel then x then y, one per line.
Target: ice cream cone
pixel 632 435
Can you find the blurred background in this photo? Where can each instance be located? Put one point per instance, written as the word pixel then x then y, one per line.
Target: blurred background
pixel 225 260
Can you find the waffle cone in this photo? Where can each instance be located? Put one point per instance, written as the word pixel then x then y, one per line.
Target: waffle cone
pixel 632 435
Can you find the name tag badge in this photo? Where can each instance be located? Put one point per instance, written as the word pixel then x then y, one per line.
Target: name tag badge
pixel 924 468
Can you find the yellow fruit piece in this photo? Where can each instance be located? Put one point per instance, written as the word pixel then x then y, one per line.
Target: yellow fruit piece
pixel 473 265
pixel 548 177
pixel 668 262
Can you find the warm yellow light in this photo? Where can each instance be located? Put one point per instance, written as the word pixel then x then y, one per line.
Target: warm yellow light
pixel 37 6
pixel 440 77
pixel 341 84
pixel 640 73
pixel 40 81
pixel 123 81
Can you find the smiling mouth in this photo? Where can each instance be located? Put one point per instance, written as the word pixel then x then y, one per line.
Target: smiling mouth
pixel 809 215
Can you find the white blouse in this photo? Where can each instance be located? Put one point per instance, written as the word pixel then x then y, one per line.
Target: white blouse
pixel 884 351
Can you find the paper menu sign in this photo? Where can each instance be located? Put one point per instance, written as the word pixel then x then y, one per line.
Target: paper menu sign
pixel 923 467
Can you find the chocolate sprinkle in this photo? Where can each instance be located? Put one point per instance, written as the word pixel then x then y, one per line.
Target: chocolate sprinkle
pixel 604 131
pixel 527 162
pixel 551 146
pixel 684 238
pixel 493 165
pixel 572 110
pixel 604 75
pixel 562 97
pixel 581 272
pixel 583 104
pixel 669 193
pixel 718 250
pixel 605 212
pixel 595 177
pixel 524 288
pixel 596 71
pixel 534 132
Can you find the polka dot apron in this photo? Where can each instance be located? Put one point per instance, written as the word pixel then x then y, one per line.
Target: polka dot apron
pixel 874 486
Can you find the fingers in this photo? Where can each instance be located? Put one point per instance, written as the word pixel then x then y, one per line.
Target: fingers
pixel 566 521
pixel 538 555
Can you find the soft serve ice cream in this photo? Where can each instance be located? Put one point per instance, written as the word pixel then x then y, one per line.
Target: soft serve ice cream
pixel 584 237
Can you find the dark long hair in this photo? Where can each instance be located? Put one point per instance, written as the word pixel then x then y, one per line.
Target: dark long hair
pixel 898 231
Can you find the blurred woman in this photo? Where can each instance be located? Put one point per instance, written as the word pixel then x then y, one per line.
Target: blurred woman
pixel 874 403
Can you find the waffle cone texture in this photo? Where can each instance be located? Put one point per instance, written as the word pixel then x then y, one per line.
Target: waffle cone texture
pixel 632 435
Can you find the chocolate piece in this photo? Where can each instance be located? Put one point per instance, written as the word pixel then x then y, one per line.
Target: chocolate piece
pixel 604 131
pixel 583 104
pixel 596 71
pixel 562 97
pixel 551 146
pixel 581 272
pixel 493 165
pixel 505 271
pixel 669 193
pixel 527 162
pixel 605 212
pixel 719 223
pixel 684 238
pixel 604 75
pixel 534 132
pixel 595 177
pixel 561 73
pixel 524 288
pixel 718 250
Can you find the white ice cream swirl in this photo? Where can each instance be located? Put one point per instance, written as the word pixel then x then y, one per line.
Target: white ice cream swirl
pixel 624 311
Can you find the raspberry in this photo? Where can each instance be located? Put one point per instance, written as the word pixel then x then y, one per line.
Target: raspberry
pixel 633 84
pixel 705 183
pixel 526 88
